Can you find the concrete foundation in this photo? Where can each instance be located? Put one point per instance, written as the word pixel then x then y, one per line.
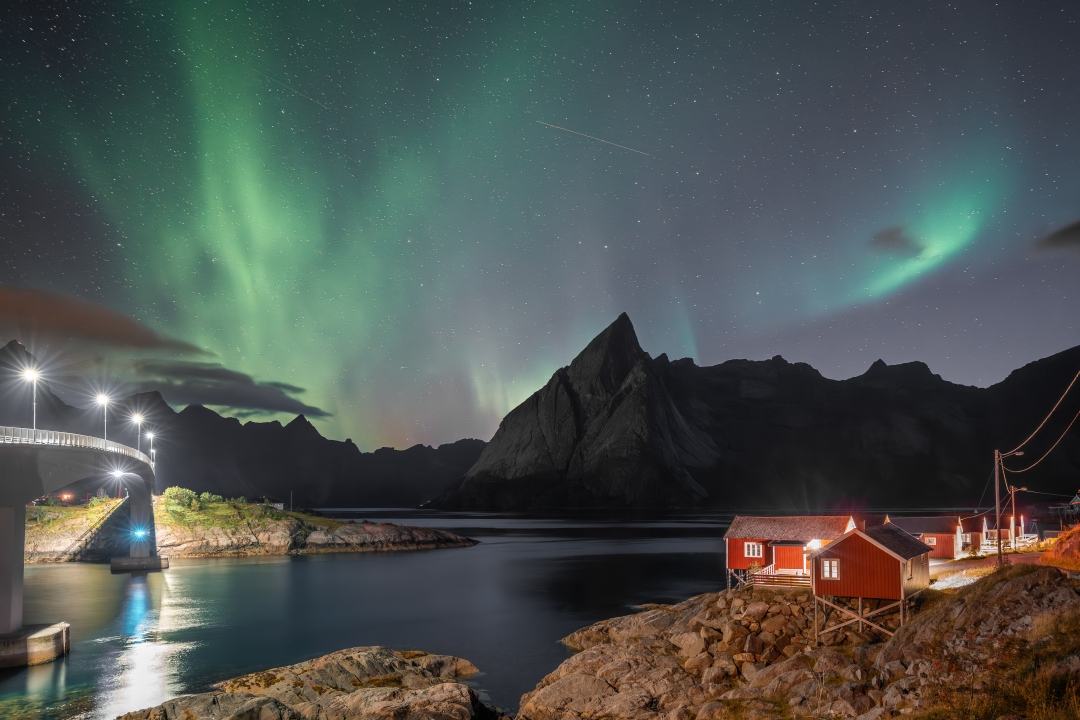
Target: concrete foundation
pixel 34 645
pixel 135 564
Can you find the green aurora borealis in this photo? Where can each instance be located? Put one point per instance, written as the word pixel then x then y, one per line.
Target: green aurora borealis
pixel 361 202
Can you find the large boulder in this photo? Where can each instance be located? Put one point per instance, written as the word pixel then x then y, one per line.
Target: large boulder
pixel 373 683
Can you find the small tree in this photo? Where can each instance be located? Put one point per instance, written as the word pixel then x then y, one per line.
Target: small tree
pixel 208 498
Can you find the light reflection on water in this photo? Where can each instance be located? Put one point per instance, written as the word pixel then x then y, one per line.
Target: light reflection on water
pixel 503 604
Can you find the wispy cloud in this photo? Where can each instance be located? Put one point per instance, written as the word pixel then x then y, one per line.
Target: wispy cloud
pixel 199 383
pixel 44 314
pixel 1066 237
pixel 895 241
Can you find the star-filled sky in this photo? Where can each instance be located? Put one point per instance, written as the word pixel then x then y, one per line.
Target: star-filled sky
pixel 377 213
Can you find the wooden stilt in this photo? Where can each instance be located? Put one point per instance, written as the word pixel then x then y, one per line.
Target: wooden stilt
pixel 816 634
pixel 860 614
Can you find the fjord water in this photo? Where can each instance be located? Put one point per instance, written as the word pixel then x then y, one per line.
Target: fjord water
pixel 502 604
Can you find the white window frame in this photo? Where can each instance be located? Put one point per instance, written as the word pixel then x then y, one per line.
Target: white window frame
pixel 830 569
pixel 754 550
pixel 931 541
pixel 911 568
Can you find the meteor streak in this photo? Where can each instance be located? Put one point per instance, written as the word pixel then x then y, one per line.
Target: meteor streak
pixel 594 138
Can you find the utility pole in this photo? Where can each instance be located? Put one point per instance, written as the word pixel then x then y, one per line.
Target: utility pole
pixel 1012 518
pixel 997 502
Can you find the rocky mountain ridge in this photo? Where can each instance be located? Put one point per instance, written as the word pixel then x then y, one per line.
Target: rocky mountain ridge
pixel 201 450
pixel 619 429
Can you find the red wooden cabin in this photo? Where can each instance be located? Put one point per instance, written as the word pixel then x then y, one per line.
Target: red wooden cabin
pixel 943 533
pixel 780 543
pixel 881 563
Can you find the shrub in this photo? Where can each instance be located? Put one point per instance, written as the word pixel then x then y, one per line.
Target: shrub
pixel 180 497
pixel 97 500
pixel 207 498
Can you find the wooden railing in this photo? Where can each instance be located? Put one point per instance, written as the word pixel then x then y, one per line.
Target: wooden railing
pixel 26 436
pixel 768 577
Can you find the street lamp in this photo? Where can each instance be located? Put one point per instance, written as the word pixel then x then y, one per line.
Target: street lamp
pixel 103 401
pixel 31 375
pixel 137 419
pixel 998 456
pixel 118 475
pixel 150 437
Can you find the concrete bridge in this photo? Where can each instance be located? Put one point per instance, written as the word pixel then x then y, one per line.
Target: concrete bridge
pixel 37 462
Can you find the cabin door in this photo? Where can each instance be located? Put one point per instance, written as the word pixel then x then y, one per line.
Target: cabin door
pixel 789 557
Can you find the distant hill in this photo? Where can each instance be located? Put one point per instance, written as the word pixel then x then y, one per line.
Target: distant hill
pixel 617 428
pixel 199 449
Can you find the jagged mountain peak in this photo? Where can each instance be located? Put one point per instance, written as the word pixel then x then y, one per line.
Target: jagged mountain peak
pixel 906 374
pixel 609 357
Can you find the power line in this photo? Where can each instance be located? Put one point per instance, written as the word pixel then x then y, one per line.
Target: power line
pixel 1029 467
pixel 1077 377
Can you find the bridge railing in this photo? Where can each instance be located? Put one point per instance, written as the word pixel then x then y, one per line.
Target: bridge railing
pixel 26 436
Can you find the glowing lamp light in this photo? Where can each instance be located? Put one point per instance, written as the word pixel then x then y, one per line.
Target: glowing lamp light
pixel 30 374
pixel 139 532
pixel 102 399
pixel 117 474
pixel 814 544
pixel 137 419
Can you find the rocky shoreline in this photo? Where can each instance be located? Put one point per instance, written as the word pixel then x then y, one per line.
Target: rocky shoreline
pixel 295 535
pixel 366 682
pixel 102 531
pixel 741 655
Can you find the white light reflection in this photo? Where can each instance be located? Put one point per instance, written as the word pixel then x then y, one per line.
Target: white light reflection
pixel 147 670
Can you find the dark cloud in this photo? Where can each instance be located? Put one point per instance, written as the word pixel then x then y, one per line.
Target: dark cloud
pixel 195 383
pixel 40 313
pixel 895 241
pixel 1066 237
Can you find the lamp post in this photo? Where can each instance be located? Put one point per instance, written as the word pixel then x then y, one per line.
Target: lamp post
pixel 137 419
pixel 103 401
pixel 1012 531
pixel 998 455
pixel 118 474
pixel 150 437
pixel 31 375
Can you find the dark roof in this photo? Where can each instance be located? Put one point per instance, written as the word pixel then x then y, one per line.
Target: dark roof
pixel 897 541
pixel 937 524
pixel 803 528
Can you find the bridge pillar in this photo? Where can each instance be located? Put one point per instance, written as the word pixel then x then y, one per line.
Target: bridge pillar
pixel 12 539
pixel 141 515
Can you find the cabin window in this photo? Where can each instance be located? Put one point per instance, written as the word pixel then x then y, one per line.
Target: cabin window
pixel 753 549
pixel 830 569
pixel 931 540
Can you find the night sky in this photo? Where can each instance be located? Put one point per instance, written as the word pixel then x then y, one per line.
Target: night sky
pixel 356 210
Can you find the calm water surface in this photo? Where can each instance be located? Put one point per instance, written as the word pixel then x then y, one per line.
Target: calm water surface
pixel 503 604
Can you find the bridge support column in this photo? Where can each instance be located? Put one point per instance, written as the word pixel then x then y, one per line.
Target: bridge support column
pixel 12 539
pixel 141 514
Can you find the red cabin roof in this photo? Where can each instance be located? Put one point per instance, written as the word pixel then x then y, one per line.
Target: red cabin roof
pixel 801 528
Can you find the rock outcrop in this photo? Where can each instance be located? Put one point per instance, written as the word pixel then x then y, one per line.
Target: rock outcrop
pixel 1065 552
pixel 67 533
pixel 293 534
pixel 617 428
pixel 366 683
pixel 743 655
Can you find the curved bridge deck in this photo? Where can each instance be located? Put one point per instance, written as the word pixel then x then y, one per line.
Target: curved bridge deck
pixel 26 436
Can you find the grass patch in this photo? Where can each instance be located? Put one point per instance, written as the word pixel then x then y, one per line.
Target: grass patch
pixel 233 515
pixel 57 519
